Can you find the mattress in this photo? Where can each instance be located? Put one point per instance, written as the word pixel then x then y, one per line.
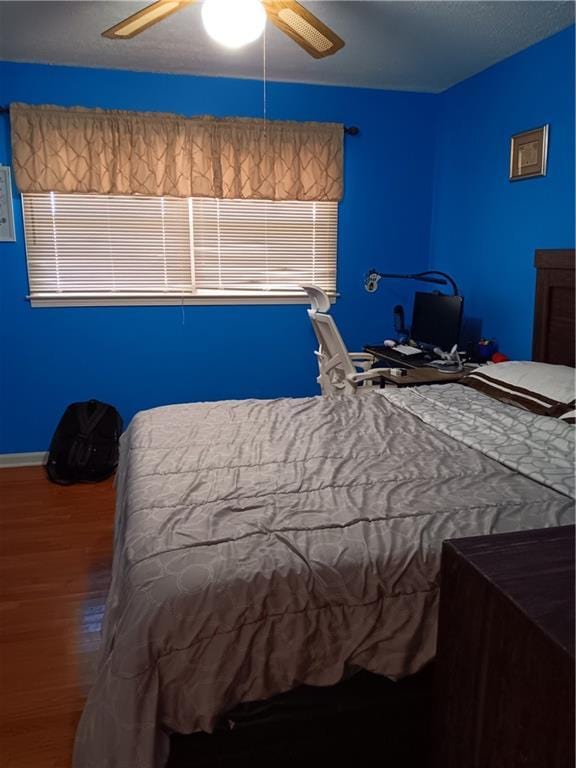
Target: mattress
pixel 260 545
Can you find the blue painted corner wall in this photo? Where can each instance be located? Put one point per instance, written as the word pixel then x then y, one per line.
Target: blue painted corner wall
pixel 426 185
pixel 486 228
pixel 140 357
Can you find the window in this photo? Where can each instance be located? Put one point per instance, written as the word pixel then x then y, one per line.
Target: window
pixel 102 249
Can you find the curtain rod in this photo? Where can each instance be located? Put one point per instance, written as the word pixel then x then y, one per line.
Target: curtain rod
pixel 351 130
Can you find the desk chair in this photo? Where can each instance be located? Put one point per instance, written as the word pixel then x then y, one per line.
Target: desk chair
pixel 341 372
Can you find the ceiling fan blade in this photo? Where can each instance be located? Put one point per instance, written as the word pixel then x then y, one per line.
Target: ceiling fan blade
pixel 303 27
pixel 145 18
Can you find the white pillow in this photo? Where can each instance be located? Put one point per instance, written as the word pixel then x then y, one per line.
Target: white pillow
pixel 538 387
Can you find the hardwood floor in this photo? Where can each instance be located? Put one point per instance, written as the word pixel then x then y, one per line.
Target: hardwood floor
pixel 55 557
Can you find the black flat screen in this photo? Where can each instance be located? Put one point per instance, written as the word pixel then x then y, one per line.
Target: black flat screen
pixel 436 319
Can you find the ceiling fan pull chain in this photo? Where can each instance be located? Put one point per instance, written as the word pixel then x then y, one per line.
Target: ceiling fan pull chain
pixel 264 111
pixel 264 74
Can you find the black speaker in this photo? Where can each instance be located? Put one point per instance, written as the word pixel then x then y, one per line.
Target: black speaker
pixel 399 320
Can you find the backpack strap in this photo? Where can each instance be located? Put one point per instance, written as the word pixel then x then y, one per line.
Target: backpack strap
pixel 89 423
pixel 80 450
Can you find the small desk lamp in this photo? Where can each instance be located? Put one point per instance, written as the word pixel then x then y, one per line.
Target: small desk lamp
pixel 372 277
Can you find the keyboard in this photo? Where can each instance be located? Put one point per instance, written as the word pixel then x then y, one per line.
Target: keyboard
pixel 404 349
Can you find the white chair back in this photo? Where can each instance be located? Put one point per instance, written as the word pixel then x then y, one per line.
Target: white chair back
pixel 338 369
pixel 319 300
pixel 334 363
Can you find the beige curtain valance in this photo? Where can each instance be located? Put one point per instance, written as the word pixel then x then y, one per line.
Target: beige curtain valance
pixel 144 153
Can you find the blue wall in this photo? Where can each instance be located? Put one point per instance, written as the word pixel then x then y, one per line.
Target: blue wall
pixel 139 357
pixel 426 185
pixel 485 228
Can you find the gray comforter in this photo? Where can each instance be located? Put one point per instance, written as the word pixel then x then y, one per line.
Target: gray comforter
pixel 264 544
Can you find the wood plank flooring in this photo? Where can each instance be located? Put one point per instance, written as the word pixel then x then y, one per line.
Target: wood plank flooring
pixel 55 557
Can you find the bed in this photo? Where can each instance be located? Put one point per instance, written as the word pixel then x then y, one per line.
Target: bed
pixel 264 544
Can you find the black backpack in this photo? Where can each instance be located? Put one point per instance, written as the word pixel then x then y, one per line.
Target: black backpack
pixel 84 448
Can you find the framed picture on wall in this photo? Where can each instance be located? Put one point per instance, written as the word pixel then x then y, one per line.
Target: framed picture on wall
pixel 529 154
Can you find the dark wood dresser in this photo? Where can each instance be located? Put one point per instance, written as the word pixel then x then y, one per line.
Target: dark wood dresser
pixel 505 658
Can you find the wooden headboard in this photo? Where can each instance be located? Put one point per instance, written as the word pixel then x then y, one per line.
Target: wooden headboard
pixel 553 340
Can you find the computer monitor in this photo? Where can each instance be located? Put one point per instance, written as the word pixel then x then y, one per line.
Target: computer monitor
pixel 436 320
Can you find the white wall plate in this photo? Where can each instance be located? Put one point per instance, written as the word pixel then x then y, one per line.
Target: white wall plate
pixel 7 231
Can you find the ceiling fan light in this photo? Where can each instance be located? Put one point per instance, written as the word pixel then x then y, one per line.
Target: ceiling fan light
pixel 234 23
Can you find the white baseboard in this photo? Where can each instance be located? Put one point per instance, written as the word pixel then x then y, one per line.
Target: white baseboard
pixel 36 459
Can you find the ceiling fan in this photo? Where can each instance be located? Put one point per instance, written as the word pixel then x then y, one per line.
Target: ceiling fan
pixel 289 16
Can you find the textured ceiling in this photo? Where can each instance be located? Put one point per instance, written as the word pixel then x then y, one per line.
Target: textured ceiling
pixel 417 46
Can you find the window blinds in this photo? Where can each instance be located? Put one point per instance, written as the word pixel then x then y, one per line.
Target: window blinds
pixel 260 244
pixel 98 244
pixel 113 246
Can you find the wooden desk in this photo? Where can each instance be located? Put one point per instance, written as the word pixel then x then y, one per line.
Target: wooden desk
pixel 505 656
pixel 395 359
pixel 418 376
